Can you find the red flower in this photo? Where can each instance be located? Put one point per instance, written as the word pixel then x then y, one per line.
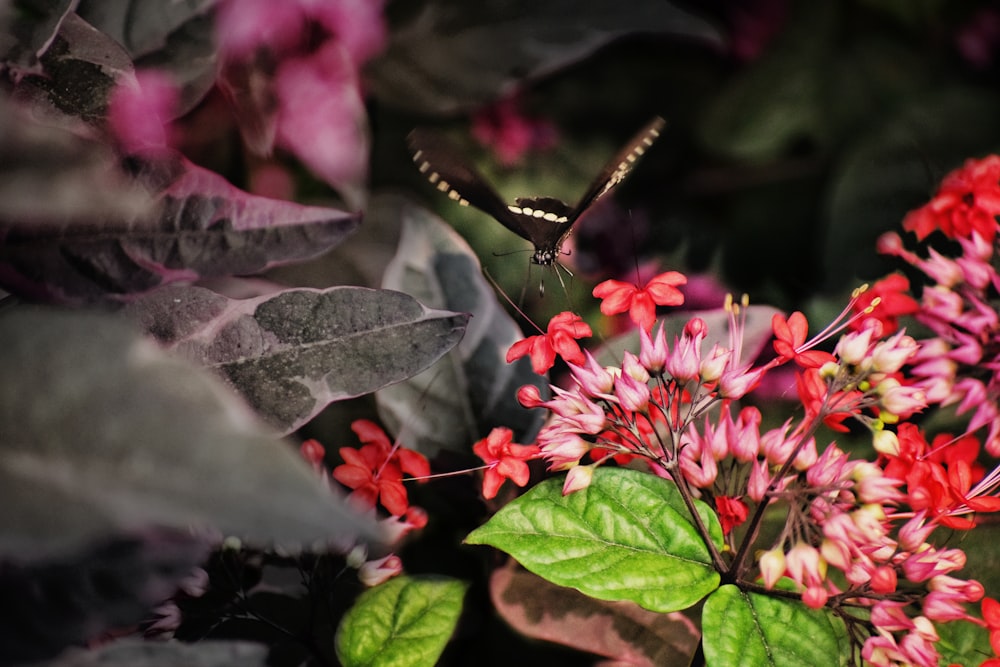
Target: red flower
pixel 504 460
pixel 939 476
pixel 894 302
pixel 812 389
pixel 641 302
pixel 375 470
pixel 790 335
pixel 732 512
pixel 968 201
pixel 560 339
pixel 991 616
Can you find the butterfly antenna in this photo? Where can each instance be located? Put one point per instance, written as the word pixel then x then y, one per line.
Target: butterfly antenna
pixel 635 246
pixel 566 292
pixel 512 304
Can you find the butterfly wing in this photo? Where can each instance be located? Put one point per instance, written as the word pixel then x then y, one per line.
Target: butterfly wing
pixel 440 162
pixel 619 167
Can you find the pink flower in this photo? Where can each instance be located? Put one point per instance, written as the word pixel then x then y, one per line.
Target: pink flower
pixel 684 362
pixel 138 113
pixel 375 572
pixel 578 478
pixel 509 132
pixel 641 303
pixel 504 460
pixel 772 566
pixel 560 338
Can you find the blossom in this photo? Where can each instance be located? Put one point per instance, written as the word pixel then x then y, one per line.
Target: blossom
pixel 732 512
pixel 375 572
pixel 893 302
pixel 991 616
pixel 313 452
pixel 511 134
pixel 560 338
pixel 375 470
pixel 504 460
pixel 641 302
pixel 789 341
pixel 967 202
pixel 139 112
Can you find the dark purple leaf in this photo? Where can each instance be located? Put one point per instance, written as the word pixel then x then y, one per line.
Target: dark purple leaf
pixel 204 227
pixel 78 71
pixel 293 353
pixel 26 31
pixel 174 37
pixel 133 652
pixel 51 605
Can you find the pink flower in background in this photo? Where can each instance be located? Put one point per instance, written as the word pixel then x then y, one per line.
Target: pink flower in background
pixel 139 113
pixel 293 67
pixel 510 133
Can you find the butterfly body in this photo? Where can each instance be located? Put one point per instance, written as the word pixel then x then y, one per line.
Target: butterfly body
pixel 544 221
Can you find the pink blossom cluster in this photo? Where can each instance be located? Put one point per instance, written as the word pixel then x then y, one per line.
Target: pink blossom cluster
pixel 674 406
pixel 960 365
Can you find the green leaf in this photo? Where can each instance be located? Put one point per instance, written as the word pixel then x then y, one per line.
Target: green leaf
pixel 628 536
pixel 472 389
pixel 781 98
pixel 896 167
pixel 962 643
pixel 761 630
pixel 404 622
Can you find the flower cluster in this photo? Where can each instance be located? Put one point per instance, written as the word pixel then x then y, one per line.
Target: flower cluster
pixel 959 366
pixel 854 529
pixel 374 472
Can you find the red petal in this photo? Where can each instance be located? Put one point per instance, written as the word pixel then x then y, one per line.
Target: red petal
pixel 520 348
pixel 369 432
pixel 352 476
pixel 393 497
pixel 413 463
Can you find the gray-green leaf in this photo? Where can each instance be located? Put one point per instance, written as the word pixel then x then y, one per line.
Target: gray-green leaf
pixel 292 353
pixel 464 395
pixel 101 432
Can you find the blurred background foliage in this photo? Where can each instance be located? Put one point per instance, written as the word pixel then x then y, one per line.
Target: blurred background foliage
pixel 797 133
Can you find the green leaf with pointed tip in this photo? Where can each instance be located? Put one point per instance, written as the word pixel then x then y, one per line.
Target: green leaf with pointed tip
pixel 628 536
pixel 404 622
pixel 761 630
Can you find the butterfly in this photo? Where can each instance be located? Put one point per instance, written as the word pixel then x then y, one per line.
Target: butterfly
pixel 545 221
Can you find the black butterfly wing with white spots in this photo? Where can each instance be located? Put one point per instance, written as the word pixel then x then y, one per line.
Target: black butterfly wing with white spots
pixel 545 221
pixel 440 162
pixel 619 167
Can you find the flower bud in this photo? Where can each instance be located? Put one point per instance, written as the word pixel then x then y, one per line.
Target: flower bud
pixel 772 566
pixel 578 478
